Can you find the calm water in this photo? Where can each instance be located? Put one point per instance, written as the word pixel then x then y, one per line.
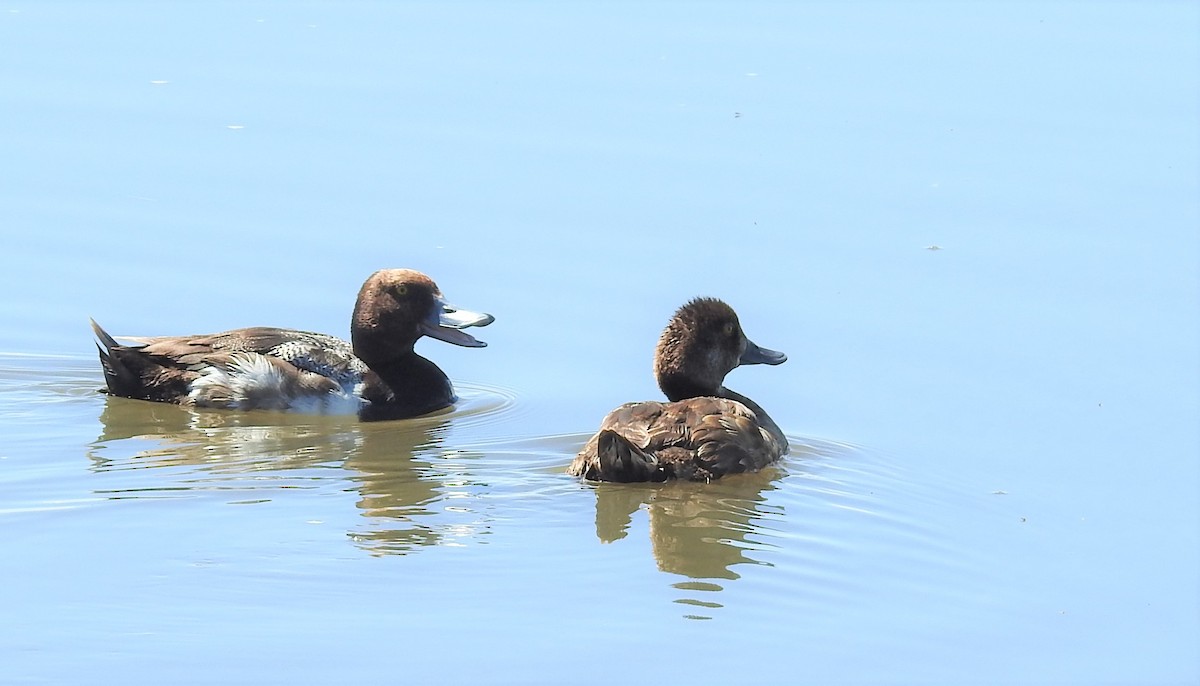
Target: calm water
pixel 972 228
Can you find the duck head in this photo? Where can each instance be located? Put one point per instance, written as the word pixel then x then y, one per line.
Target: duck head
pixel 702 343
pixel 395 307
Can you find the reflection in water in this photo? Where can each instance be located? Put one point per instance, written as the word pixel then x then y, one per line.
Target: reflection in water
pixel 413 489
pixel 698 530
pixel 403 474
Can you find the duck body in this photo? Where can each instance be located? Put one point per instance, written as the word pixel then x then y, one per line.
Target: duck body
pixel 377 375
pixel 699 439
pixel 705 430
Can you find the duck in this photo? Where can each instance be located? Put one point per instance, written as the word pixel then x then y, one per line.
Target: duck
pixel 376 374
pixel 705 430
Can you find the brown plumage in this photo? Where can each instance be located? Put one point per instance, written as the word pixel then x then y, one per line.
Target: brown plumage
pixel 377 375
pixel 706 430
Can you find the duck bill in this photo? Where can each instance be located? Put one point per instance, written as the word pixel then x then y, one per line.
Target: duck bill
pixel 447 322
pixel 755 354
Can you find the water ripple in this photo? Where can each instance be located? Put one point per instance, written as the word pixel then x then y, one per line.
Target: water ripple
pixel 793 538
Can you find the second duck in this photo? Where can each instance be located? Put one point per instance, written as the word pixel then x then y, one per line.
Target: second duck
pixel 706 430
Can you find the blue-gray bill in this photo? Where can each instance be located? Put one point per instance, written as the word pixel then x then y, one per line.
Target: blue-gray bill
pixel 447 322
pixel 755 354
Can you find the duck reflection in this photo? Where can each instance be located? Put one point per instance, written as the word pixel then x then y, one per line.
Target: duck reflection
pixel 697 530
pixel 401 471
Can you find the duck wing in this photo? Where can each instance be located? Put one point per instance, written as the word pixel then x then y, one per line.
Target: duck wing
pixel 728 438
pixel 321 354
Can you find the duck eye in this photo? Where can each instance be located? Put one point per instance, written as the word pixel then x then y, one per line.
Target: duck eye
pixel 729 328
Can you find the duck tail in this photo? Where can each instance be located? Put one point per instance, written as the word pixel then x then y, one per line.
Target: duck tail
pixel 621 460
pixel 117 376
pixel 103 339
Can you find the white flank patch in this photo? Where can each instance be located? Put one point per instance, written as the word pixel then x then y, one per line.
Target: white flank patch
pixel 253 382
pixel 331 403
pixel 211 379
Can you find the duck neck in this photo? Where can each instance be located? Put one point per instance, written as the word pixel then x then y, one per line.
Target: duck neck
pixel 405 385
pixel 678 387
pixel 764 419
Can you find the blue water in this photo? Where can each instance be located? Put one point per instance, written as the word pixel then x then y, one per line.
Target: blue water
pixel 972 228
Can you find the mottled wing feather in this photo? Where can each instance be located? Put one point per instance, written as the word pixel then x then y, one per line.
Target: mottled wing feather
pixel 327 356
pixel 321 354
pixel 729 443
pixel 634 421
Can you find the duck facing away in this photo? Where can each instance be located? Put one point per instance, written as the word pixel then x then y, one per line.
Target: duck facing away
pixel 706 430
pixel 376 375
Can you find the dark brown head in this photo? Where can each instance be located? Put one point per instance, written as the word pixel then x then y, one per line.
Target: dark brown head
pixel 702 343
pixel 396 307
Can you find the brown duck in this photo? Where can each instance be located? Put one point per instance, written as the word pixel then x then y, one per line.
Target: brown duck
pixel 377 374
pixel 706 430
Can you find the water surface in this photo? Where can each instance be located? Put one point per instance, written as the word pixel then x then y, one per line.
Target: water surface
pixel 972 229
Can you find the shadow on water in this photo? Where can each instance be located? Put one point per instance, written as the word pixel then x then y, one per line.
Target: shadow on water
pixel 402 472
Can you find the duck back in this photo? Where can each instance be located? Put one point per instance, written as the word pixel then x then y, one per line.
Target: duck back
pixel 697 439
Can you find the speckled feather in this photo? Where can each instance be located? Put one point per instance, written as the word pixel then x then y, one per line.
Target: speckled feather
pixel 322 354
